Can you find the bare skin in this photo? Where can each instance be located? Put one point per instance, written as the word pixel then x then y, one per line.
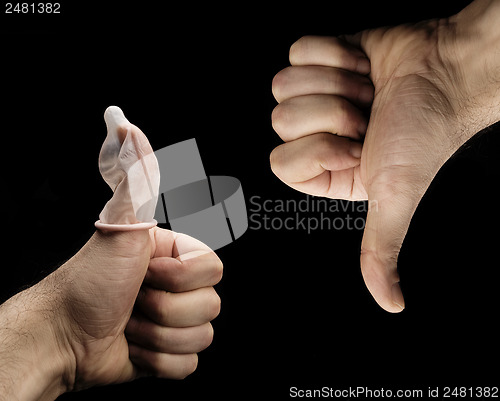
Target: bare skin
pixel 435 84
pixel 87 324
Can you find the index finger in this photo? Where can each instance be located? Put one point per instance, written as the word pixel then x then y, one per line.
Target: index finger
pixel 329 51
pixel 169 243
pixel 180 275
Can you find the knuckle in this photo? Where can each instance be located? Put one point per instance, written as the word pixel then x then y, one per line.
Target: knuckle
pixel 298 49
pixel 375 263
pixel 188 367
pixel 213 304
pixel 276 161
pixel 207 336
pixel 280 117
pixel 276 86
pixel 218 270
pixel 280 81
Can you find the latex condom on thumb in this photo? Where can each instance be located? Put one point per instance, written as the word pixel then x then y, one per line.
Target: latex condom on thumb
pixel 128 165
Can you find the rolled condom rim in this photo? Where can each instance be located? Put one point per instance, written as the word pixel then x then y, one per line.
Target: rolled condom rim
pixel 125 227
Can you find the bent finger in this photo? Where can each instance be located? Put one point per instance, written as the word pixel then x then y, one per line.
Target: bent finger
pixel 309 80
pixel 306 115
pixel 174 340
pixel 307 157
pixel 184 309
pixel 329 51
pixel 198 271
pixel 177 245
pixel 163 365
pixel 320 165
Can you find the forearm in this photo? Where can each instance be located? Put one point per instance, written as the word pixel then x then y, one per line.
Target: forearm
pixel 473 46
pixel 32 361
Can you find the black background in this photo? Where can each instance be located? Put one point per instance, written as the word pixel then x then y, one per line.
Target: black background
pixel 295 311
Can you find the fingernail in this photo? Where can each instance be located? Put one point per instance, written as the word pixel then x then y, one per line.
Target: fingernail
pixel 356 149
pixel 363 66
pixel 397 296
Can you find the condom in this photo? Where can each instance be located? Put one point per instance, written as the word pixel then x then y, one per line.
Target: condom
pixel 129 166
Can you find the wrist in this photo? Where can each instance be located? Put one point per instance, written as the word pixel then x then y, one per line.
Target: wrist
pixel 470 46
pixel 36 363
